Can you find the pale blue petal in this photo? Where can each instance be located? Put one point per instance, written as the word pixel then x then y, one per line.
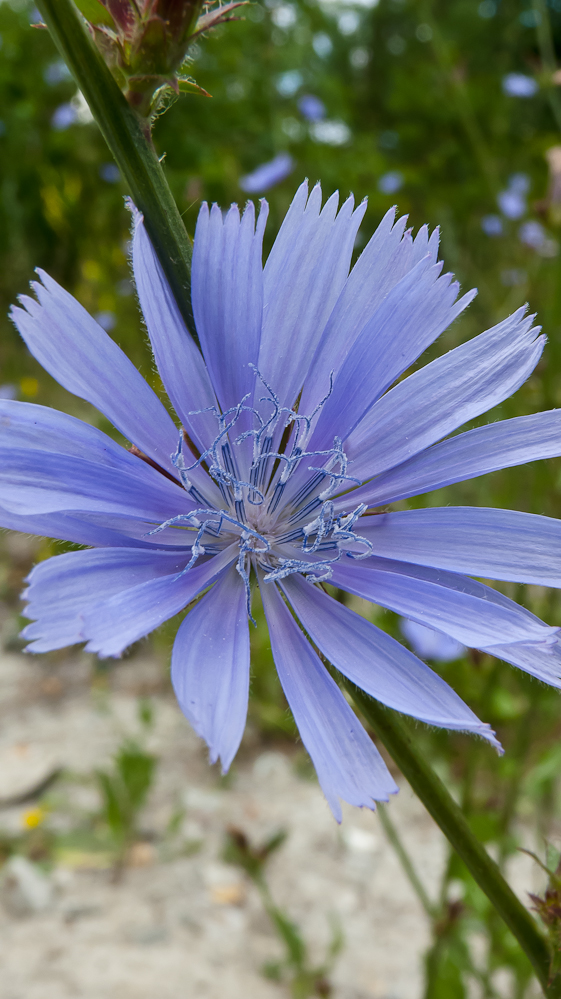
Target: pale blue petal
pixel 473 620
pixel 477 452
pixel 369 281
pixel 50 483
pixel 70 527
pixel 387 258
pixel 414 313
pixel 113 624
pixel 210 667
pixel 479 541
pixel 377 663
pixel 179 361
pixel 76 351
pixel 304 274
pixel 347 762
pixel 39 428
pixel 541 661
pixel 227 293
pixel 442 577
pixel 102 530
pixel 436 400
pixel 63 588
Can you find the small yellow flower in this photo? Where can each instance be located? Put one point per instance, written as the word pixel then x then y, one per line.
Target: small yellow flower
pixel 33 817
pixel 29 387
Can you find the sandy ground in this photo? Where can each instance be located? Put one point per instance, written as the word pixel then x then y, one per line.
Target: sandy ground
pixel 192 927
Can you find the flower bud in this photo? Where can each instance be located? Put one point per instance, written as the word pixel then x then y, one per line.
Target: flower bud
pixel 145 43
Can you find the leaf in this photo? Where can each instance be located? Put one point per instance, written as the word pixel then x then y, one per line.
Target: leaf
pixel 112 806
pixel 272 970
pixel 136 771
pixel 272 844
pixel 187 85
pixel 337 941
pixel 447 980
pixel 216 16
pixel 290 934
pixel 95 12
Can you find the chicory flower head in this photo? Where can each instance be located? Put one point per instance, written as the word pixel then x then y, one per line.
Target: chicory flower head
pixel 311 107
pixel 519 85
pixel 430 644
pixel 268 174
pixel 296 432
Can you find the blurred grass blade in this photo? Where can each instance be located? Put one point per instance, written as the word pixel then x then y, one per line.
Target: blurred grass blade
pixel 547 53
pixel 131 147
pixel 406 862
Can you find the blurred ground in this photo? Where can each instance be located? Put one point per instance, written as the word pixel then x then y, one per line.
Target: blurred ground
pixel 190 926
pixel 183 926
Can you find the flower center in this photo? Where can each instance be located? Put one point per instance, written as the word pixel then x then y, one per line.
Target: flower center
pixel 276 505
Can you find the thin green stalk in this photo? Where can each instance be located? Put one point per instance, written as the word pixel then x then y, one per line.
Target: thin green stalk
pixel 434 911
pixel 460 95
pixel 547 54
pixel 406 862
pixel 130 145
pixel 518 754
pixel 447 814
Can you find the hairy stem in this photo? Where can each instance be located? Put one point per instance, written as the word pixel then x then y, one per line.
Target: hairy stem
pixel 132 148
pixel 393 732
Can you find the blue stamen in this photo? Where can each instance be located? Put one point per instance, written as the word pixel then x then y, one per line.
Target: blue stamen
pixel 305 511
pixel 241 567
pixel 312 525
pixel 316 572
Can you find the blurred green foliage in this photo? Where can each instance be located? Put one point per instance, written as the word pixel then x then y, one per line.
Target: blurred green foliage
pixel 414 96
pixel 303 978
pixel 124 788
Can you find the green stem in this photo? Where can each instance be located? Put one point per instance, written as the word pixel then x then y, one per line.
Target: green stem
pixel 393 732
pixel 130 145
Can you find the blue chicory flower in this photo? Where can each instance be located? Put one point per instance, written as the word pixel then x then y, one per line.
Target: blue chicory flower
pixel 511 203
pixel 519 182
pixel 64 116
pixel 311 107
pixel 297 429
pixel 390 182
pixel 56 72
pixel 519 85
pixel 268 174
pixel 106 320
pixel 492 225
pixel 431 644
pixel 533 234
pixel 110 173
